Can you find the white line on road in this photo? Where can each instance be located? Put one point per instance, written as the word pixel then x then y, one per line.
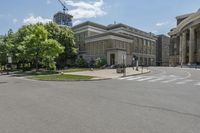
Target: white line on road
pixel 157 79
pixel 198 84
pixel 126 77
pixel 144 79
pixel 184 82
pixel 168 81
pixel 135 78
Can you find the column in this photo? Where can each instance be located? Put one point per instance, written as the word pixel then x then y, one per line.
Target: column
pixel 184 49
pixel 192 46
pixel 180 48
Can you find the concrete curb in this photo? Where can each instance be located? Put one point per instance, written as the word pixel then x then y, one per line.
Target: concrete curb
pixel 69 80
pixel 97 79
pixel 136 74
pixel 94 79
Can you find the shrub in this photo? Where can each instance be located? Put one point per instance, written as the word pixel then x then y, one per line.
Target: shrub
pixel 99 62
pixel 80 62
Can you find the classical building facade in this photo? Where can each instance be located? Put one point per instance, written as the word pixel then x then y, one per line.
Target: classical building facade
pixel 185 40
pixel 116 43
pixel 162 50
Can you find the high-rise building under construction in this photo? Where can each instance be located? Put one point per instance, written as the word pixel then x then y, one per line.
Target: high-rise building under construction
pixel 63 19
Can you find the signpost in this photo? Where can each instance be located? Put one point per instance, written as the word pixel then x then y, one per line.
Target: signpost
pixel 9 60
pixel 9 63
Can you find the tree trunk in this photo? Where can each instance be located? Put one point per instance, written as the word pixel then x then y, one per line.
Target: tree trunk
pixel 37 64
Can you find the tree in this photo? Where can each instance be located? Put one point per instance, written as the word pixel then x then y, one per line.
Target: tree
pixel 65 37
pixel 39 47
pixel 5 48
pixel 3 51
pixel 20 53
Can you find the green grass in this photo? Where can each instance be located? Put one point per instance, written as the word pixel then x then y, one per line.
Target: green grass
pixel 75 70
pixel 60 77
pixel 40 72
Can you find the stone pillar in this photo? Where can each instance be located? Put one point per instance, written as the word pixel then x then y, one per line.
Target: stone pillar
pixel 184 49
pixel 180 48
pixel 192 46
pixel 198 46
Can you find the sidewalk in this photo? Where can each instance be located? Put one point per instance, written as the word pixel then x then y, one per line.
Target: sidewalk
pixel 110 73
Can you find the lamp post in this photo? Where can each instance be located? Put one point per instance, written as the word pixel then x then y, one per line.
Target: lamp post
pixel 135 59
pixel 124 65
pixel 133 62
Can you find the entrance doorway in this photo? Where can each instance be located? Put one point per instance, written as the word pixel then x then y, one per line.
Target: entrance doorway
pixel 112 59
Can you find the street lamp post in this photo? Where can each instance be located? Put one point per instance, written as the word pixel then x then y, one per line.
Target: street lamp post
pixel 133 62
pixel 124 65
pixel 135 58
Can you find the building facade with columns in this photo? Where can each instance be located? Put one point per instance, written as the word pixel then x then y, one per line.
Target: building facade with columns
pixel 185 40
pixel 116 43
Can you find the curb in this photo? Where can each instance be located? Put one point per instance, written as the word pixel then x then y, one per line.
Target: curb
pixel 136 74
pixel 68 80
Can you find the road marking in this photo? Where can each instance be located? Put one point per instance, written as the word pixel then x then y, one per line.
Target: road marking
pixel 173 76
pixel 144 79
pixel 184 82
pixel 125 78
pixel 168 81
pixel 198 84
pixel 157 79
pixel 135 78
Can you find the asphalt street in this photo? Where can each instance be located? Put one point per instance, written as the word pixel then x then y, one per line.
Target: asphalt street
pixel 167 100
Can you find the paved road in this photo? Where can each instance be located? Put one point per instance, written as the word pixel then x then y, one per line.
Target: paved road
pixel 164 101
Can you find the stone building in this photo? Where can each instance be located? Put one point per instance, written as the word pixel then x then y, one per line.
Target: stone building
pixel 162 50
pixel 185 40
pixel 115 42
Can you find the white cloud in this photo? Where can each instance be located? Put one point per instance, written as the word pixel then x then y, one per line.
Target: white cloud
pixel 15 21
pixel 84 9
pixel 159 24
pixel 34 20
pixel 77 22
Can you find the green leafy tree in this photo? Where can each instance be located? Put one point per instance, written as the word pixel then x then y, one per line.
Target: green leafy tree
pixel 3 51
pixel 5 48
pixel 65 36
pixel 39 47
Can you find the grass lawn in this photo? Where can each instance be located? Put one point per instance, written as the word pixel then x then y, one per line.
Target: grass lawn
pixel 39 72
pixel 75 70
pixel 62 77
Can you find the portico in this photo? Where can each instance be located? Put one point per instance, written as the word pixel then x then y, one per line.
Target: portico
pixel 188 33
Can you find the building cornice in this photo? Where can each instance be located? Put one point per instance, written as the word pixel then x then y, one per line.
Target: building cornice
pixel 114 27
pixel 88 23
pixel 109 35
pixel 189 20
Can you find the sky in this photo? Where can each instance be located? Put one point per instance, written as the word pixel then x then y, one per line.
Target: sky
pixel 156 16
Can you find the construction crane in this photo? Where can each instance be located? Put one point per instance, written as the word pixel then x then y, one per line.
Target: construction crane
pixel 64 7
